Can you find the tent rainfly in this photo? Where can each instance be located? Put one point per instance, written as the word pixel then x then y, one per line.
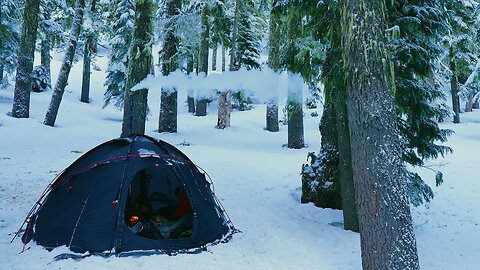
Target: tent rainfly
pixel 97 204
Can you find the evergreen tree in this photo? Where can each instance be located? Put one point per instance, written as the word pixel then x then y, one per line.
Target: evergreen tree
pixel 462 50
pixel 415 48
pixel 120 42
pixel 23 80
pixel 10 19
pixel 248 40
pixel 50 29
pixel 67 63
pixel 139 65
pixel 386 230
pixel 220 28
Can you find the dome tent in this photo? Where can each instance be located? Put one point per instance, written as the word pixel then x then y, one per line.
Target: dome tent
pixel 86 208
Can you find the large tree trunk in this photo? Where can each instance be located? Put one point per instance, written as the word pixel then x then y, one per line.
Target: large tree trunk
pixel 168 105
pixel 335 80
pixel 386 231
pixel 201 104
pixel 87 58
pixel 295 83
pixel 45 60
pixel 274 64
pixel 23 80
pixel 454 89
pixel 62 80
pixel 135 105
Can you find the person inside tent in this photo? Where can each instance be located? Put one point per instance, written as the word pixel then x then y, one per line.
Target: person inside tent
pixel 183 207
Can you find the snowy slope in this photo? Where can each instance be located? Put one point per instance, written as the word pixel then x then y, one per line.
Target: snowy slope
pixel 256 178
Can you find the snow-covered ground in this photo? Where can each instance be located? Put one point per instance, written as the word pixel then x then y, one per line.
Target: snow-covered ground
pixel 256 178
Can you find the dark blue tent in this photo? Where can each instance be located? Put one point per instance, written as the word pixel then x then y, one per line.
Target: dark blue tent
pixel 86 208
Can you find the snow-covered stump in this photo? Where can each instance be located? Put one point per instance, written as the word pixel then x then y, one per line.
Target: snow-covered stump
pixel 224 110
pixel 295 111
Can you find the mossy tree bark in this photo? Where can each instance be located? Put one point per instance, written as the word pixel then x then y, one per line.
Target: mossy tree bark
pixel 135 105
pixel 23 79
pixel 168 103
pixel 386 231
pixel 201 106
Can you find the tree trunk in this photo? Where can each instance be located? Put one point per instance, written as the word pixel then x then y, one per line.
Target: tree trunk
pixel 62 80
pixel 87 57
pixel 295 112
pixel 2 70
pixel 233 51
pixel 168 105
pixel 224 110
pixel 201 107
pixel 45 60
pixel 135 105
pixel 85 96
pixel 204 41
pixel 23 80
pixel 454 89
pixel 274 64
pixel 272 115
pixel 476 102
pixel 214 58
pixel 386 231
pixel 201 104
pixel 190 99
pixel 168 111
pixel 295 82
pixel 223 58
pixel 335 80
pixel 469 102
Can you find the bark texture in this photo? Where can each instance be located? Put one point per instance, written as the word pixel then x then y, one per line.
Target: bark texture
pixel 168 104
pixel 454 88
pixel 386 231
pixel 224 110
pixel 135 105
pixel 23 80
pixel 274 64
pixel 62 80
pixel 87 58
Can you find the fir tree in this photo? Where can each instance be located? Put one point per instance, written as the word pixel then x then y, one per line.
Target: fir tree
pixel 10 20
pixel 139 66
pixel 120 42
pixel 415 49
